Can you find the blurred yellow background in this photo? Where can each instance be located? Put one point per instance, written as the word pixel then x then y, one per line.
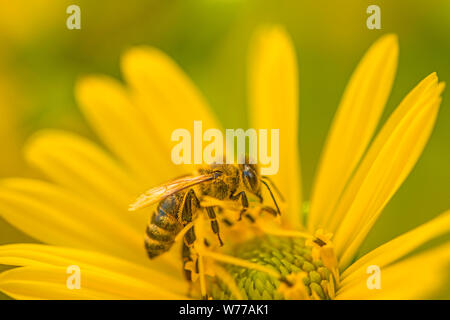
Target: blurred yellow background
pixel 40 60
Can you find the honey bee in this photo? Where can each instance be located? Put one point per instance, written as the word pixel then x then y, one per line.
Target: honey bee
pixel 179 203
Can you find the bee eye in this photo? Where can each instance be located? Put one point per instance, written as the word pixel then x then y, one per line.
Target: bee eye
pixel 251 178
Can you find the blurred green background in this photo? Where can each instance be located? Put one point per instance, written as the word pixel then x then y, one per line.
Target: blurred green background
pixel 40 60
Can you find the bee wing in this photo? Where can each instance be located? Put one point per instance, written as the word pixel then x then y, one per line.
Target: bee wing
pixel 163 191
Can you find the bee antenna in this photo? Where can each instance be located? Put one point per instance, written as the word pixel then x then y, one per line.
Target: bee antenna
pixel 271 194
pixel 274 186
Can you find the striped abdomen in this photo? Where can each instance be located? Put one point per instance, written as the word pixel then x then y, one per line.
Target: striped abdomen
pixel 164 225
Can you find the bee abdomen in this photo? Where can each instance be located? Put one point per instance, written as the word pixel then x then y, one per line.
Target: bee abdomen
pixel 165 221
pixel 160 233
pixel 155 248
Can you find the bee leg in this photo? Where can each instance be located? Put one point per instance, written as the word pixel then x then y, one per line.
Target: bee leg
pixel 270 210
pixel 191 203
pixel 186 256
pixel 189 240
pixel 186 216
pixel 189 237
pixel 214 223
pixel 190 200
pixel 244 201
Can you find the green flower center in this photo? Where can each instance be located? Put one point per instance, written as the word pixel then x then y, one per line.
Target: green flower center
pixel 283 254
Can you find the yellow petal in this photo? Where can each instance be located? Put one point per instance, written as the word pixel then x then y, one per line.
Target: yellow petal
pixel 50 283
pixel 398 247
pixel 79 165
pixel 273 99
pixel 353 126
pixel 414 278
pixel 386 165
pixel 124 129
pixel 36 255
pixel 164 94
pixel 53 215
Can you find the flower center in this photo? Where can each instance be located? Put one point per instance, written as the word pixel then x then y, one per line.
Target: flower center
pixel 290 257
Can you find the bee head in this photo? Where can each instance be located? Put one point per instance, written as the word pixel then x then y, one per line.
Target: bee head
pixel 251 178
pixel 253 181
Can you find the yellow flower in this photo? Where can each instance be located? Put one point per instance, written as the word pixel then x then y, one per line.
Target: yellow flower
pixel 82 217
